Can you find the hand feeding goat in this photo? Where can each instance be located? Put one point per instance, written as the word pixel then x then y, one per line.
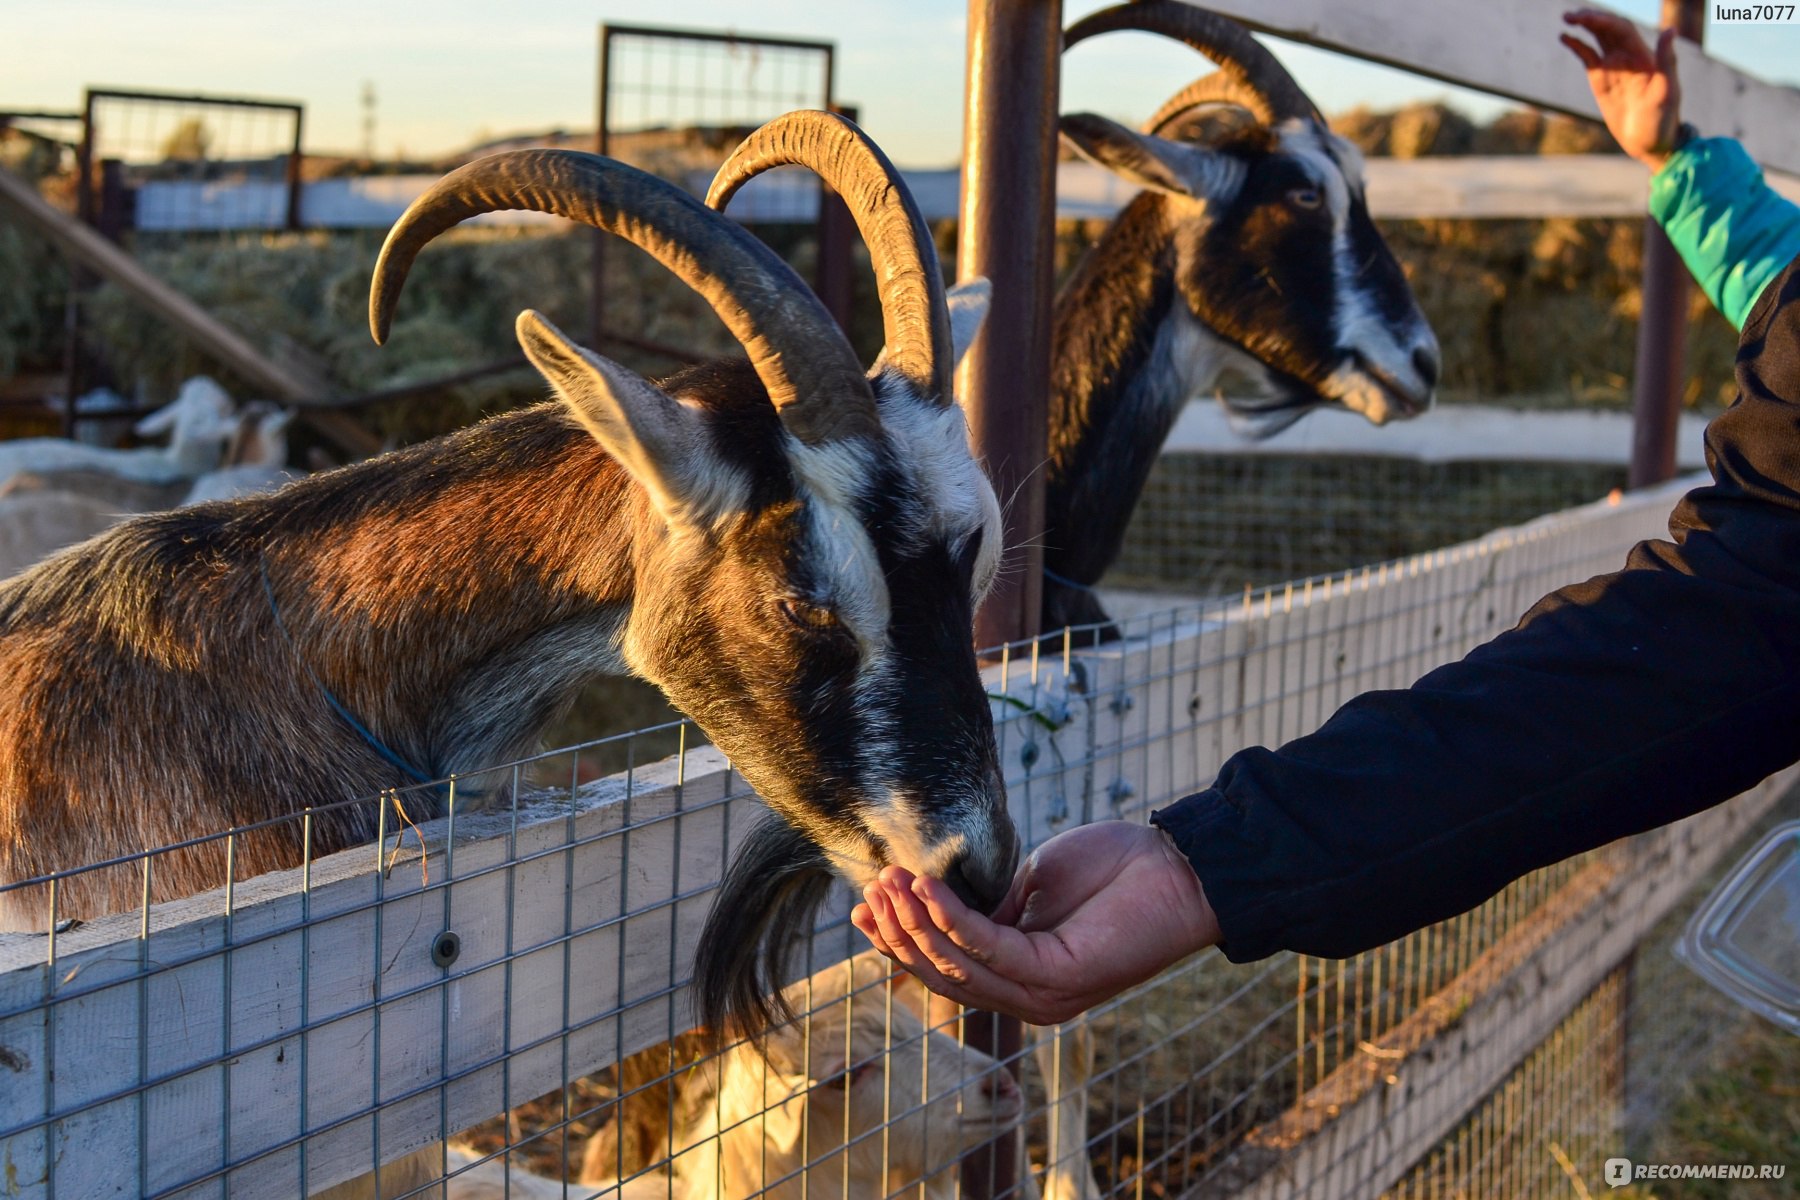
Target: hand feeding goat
pixel 198 422
pixel 1249 257
pixel 790 549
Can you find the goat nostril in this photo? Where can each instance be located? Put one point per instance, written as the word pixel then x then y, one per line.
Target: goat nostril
pixel 980 893
pixel 999 1085
pixel 1425 362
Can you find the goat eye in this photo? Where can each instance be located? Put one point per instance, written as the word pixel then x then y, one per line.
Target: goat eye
pixel 811 618
pixel 1307 198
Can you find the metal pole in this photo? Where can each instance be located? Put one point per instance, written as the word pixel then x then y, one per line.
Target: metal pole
pixel 78 276
pixel 1007 234
pixel 1661 365
pixel 294 181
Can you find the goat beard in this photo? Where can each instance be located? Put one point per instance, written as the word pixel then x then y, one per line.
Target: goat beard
pixel 765 907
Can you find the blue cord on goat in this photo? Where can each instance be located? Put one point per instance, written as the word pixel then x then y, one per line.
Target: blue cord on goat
pixel 1053 577
pixel 411 772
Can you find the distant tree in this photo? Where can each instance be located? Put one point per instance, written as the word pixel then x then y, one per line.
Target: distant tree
pixel 189 142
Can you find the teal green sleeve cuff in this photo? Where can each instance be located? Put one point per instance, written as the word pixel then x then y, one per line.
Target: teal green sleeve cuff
pixel 1734 232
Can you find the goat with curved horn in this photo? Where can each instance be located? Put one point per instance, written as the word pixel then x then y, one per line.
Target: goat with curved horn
pixel 1249 261
pixel 803 361
pixel 790 547
pixel 926 330
pixel 1257 77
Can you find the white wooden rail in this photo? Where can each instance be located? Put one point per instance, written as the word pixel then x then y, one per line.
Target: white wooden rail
pixel 175 1058
pixel 1511 50
pixel 1473 187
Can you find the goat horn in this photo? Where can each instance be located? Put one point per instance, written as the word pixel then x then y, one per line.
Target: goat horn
pixel 1220 39
pixel 1219 87
pixel 811 374
pixel 914 314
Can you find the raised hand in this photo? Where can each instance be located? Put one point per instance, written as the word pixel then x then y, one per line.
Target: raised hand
pixel 1091 912
pixel 1637 90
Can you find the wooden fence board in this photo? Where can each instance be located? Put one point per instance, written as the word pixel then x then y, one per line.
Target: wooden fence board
pixel 576 898
pixel 1511 50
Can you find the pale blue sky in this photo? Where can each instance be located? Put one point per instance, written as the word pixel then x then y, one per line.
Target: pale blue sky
pixel 446 70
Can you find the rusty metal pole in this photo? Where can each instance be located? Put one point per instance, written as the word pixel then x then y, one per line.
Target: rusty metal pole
pixel 295 180
pixel 1661 366
pixel 1007 234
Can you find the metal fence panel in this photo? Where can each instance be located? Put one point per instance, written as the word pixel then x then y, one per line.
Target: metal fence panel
pixel 305 1025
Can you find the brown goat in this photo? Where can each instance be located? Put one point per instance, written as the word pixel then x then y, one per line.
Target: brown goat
pixel 789 548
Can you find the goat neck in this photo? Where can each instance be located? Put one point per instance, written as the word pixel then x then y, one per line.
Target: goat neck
pixel 1125 357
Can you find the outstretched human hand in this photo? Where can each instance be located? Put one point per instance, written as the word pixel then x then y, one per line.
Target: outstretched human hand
pixel 1090 913
pixel 1638 93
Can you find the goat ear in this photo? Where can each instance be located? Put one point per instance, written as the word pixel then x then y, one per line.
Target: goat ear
pixel 783 1123
pixel 968 303
pixel 658 440
pixel 1150 161
pixel 159 422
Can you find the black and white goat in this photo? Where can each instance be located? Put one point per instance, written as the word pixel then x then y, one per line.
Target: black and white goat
pixel 790 548
pixel 1250 258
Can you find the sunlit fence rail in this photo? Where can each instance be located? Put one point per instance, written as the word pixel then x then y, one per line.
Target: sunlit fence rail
pixel 281 1034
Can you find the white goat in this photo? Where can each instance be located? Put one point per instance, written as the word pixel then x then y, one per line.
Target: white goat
pixel 256 461
pixel 879 1104
pixel 1065 1060
pixel 34 524
pixel 198 422
pixel 42 511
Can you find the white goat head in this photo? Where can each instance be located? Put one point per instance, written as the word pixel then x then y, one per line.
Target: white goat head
pixel 855 1098
pixel 259 436
pixel 1277 257
pixel 808 546
pixel 199 421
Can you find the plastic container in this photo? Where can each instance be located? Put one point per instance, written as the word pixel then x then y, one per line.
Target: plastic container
pixel 1745 939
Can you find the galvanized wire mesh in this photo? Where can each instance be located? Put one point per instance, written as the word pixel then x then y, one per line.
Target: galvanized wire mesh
pixel 1546 1131
pixel 489 976
pixel 1215 524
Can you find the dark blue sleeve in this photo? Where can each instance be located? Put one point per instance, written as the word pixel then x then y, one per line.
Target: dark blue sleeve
pixel 1614 706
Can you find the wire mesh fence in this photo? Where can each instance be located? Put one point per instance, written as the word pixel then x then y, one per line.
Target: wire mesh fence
pixel 676 102
pixel 154 161
pixel 1215 524
pixel 1544 1130
pixel 486 980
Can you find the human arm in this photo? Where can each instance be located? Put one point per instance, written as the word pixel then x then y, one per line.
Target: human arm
pixel 1616 705
pixel 1733 231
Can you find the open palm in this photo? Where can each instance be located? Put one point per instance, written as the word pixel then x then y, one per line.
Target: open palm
pixel 1092 912
pixel 1637 89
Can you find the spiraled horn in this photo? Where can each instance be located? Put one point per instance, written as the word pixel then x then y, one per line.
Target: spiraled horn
pixel 1219 87
pixel 914 314
pixel 1269 91
pixel 808 368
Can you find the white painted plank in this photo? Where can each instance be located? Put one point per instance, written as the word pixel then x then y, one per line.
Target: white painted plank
pixel 1511 50
pixel 1475 187
pixel 489 1030
pixel 1448 433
